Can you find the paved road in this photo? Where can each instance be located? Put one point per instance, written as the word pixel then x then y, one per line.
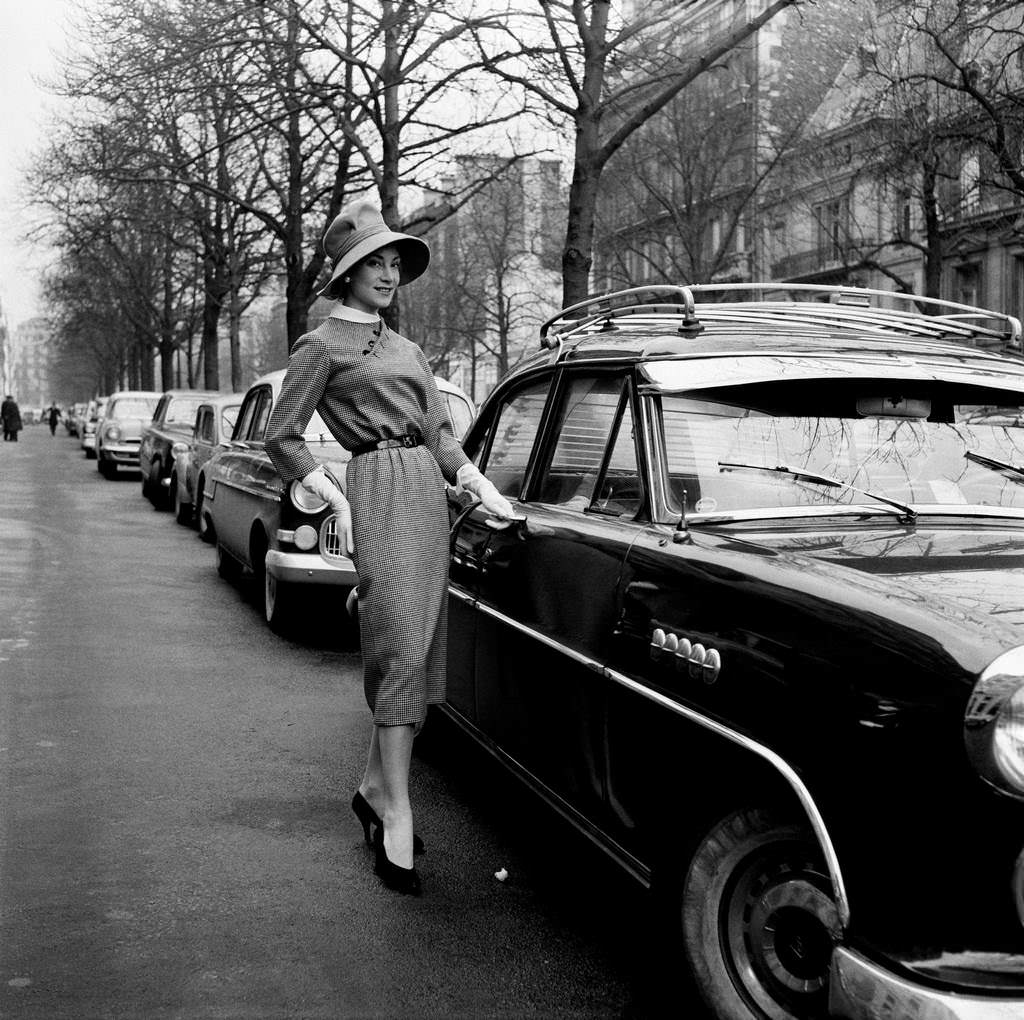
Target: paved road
pixel 175 840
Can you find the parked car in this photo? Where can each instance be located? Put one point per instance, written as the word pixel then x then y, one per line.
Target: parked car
pixel 280 534
pixel 73 418
pixel 119 431
pixel 91 419
pixel 214 422
pixel 172 423
pixel 759 632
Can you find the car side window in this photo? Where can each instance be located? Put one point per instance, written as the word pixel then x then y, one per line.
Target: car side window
pixel 620 490
pixel 262 416
pixel 246 415
pixel 587 416
pixel 514 432
pixel 206 425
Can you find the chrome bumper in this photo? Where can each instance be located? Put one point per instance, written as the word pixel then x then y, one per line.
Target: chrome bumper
pixel 120 454
pixel 310 568
pixel 861 990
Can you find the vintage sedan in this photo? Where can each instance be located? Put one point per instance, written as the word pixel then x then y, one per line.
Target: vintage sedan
pixel 171 423
pixel 119 430
pixel 281 535
pixel 211 431
pixel 90 420
pixel 758 632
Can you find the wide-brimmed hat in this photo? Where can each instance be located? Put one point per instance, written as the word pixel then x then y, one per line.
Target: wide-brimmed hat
pixel 359 230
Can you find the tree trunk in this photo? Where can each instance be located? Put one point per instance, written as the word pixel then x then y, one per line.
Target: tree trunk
pixel 932 233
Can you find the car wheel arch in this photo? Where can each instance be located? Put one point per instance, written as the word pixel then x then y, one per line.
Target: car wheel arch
pixel 757 882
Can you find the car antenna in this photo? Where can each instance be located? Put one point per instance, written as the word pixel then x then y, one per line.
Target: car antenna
pixel 681 533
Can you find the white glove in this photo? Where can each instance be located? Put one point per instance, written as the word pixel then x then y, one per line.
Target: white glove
pixel 320 485
pixel 470 479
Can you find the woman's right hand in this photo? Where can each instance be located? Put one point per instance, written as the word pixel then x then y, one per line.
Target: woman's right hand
pixel 320 485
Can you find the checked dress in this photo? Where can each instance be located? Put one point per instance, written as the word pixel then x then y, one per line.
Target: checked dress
pixel 368 384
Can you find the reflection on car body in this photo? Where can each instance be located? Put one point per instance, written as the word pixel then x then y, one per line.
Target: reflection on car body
pixel 280 533
pixel 761 633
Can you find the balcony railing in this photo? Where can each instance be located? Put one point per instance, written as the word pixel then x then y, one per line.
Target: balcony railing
pixel 819 260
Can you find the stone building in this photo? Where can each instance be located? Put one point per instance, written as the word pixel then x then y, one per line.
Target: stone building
pixel 495 267
pixel 29 375
pixel 681 201
pixel 898 184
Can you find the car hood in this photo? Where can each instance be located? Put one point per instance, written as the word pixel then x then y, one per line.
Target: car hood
pixel 967 576
pixel 131 428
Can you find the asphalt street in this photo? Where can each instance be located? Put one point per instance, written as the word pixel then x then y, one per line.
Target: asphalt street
pixel 175 836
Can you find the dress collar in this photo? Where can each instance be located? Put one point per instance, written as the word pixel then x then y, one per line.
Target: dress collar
pixel 343 311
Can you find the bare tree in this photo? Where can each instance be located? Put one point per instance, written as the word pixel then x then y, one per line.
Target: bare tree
pixel 606 79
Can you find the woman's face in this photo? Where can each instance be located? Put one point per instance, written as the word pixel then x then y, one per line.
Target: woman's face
pixel 373 281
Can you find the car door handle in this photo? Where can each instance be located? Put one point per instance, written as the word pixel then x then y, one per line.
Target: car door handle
pixel 503 523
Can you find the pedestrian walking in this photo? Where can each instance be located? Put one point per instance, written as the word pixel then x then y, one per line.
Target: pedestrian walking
pixel 11 415
pixel 53 416
pixel 376 393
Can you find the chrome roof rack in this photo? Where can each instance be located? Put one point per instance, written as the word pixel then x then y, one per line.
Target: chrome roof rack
pixel 856 309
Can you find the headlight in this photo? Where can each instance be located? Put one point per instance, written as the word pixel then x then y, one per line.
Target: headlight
pixel 112 432
pixel 994 724
pixel 304 500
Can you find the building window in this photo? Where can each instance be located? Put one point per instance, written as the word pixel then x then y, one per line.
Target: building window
pixel 906 215
pixel 1017 286
pixel 970 182
pixel 967 281
pixel 833 226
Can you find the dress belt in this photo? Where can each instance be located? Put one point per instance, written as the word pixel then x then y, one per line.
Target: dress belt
pixel 409 441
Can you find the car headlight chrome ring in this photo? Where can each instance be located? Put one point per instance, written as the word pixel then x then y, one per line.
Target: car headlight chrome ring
pixel 994 724
pixel 112 432
pixel 303 500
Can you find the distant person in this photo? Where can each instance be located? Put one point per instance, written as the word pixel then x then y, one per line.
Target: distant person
pixel 53 416
pixel 11 414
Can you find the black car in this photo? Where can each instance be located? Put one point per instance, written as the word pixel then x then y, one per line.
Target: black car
pixel 760 632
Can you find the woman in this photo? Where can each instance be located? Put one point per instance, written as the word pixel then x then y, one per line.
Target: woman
pixel 376 393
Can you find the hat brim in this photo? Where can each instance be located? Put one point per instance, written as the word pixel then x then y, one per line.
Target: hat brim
pixel 414 251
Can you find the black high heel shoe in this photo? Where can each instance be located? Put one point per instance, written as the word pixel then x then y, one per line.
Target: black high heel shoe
pixel 403 880
pixel 367 817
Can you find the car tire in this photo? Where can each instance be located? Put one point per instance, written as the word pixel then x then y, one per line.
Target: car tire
pixel 227 566
pixel 278 603
pixel 105 468
pixel 158 494
pixel 759 922
pixel 182 510
pixel 203 524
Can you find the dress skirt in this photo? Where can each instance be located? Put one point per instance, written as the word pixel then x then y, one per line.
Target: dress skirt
pixel 400 533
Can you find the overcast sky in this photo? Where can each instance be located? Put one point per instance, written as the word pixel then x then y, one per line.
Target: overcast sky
pixel 33 33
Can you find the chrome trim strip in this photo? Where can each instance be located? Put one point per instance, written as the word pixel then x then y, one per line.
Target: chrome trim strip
pixel 252 490
pixel 861 990
pixel 773 759
pixel 460 595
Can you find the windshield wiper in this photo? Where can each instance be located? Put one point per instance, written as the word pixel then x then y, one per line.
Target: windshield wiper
pixel 999 465
pixel 812 476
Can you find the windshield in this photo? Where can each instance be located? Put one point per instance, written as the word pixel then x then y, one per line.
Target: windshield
pixel 132 407
pixel 908 442
pixel 182 410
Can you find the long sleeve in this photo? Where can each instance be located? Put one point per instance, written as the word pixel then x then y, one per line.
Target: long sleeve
pixel 302 389
pixel 439 436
